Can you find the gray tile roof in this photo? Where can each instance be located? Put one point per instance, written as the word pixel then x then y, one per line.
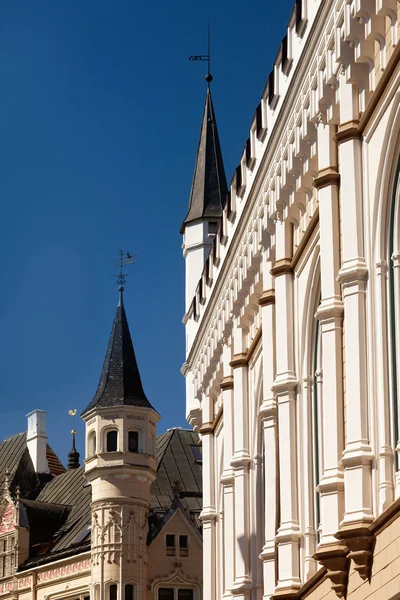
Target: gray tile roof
pixel 120 382
pixel 209 187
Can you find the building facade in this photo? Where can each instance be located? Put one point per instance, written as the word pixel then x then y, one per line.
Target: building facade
pixel 124 525
pixel 292 320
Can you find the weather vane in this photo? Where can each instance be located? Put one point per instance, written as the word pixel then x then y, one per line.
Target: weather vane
pixel 72 414
pixel 205 57
pixel 124 260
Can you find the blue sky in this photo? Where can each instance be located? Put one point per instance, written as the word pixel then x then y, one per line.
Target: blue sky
pixel 100 114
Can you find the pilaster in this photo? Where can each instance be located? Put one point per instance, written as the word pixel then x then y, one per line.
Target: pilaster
pixel 227 478
pixel 330 316
pixel 208 514
pixel 241 588
pixel 284 388
pixel 357 455
pixel 268 416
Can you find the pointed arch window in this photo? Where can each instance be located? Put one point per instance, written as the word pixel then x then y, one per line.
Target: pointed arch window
pixel 394 308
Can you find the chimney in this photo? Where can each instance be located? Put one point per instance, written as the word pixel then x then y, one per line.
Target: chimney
pixel 36 439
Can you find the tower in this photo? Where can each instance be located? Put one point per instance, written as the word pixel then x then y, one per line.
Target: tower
pixel 120 465
pixel 207 199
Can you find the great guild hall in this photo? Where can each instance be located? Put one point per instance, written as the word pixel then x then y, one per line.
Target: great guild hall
pixel 293 319
pixel 287 485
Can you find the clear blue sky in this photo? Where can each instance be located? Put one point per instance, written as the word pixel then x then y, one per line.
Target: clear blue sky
pixel 100 115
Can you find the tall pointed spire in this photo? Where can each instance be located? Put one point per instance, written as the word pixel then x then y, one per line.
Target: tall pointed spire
pixel 209 187
pixel 120 383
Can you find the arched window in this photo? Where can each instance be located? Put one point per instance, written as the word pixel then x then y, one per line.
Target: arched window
pixel 316 420
pixel 133 441
pixel 91 445
pixel 112 440
pixel 394 307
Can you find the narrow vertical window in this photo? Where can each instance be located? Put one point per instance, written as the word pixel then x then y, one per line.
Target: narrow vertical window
pixel 170 545
pixel 183 545
pixel 92 443
pixel 316 416
pixel 129 592
pixel 133 441
pixel 185 594
pixel 113 591
pixel 112 441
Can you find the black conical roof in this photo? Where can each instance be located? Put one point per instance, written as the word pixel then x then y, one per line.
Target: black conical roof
pixel 120 383
pixel 209 187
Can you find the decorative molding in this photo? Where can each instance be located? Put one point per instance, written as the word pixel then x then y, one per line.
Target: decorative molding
pixel 325 177
pixel 267 298
pixel 226 383
pixel 348 131
pixel 239 360
pixel 360 541
pixel 334 558
pixel 282 267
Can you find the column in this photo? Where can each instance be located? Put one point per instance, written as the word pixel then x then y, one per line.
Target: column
pixel 208 514
pixel 268 415
pixel 357 455
pixel 227 478
pixel 284 387
pixel 241 588
pixel 330 315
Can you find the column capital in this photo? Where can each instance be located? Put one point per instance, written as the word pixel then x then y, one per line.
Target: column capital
pixel 282 266
pixel 330 308
pixel 325 177
pixel 268 409
pixel 267 298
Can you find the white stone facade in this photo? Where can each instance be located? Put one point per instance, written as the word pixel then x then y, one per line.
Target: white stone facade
pixel 293 336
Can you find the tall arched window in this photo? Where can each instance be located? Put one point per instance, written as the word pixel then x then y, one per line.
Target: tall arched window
pixel 394 307
pixel 316 420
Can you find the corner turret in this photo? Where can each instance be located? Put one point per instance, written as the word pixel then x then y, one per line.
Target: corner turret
pixel 207 199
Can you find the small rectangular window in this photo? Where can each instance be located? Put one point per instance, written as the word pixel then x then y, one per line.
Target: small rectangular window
pixel 166 594
pixel 185 594
pixel 129 592
pixel 183 545
pixel 133 441
pixel 197 452
pixel 170 544
pixel 112 443
pixel 113 591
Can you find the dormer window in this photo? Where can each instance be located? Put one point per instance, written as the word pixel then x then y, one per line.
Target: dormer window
pixel 112 440
pixel 133 441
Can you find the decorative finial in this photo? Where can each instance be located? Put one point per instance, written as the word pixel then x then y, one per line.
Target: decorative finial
pixel 73 456
pixel 207 57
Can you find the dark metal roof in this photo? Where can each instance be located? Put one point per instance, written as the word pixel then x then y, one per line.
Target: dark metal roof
pixel 177 463
pixel 68 497
pixel 120 382
pixel 209 187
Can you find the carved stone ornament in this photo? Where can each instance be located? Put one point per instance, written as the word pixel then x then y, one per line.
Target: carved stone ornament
pixel 360 541
pixel 334 557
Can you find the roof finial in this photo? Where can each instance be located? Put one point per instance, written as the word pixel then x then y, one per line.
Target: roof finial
pixel 125 259
pixel 73 456
pixel 207 57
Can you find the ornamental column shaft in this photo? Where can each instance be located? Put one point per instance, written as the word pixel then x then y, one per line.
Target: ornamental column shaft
pixel 227 478
pixel 240 463
pixel 357 455
pixel 268 415
pixel 285 385
pixel 208 514
pixel 330 315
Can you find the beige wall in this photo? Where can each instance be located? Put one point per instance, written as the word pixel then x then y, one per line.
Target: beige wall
pixel 163 569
